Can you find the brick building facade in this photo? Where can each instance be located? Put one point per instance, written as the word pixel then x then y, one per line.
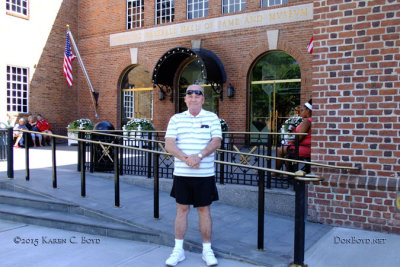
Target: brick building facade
pixel 352 76
pixel 356 67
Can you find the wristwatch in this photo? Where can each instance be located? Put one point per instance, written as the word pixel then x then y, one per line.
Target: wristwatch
pixel 200 155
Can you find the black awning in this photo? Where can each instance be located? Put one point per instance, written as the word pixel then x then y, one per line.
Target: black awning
pixel 166 67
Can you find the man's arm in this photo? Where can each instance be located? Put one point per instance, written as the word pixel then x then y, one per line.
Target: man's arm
pixel 194 160
pixel 171 147
pixel 211 147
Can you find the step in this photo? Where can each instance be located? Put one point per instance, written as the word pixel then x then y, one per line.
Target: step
pixel 76 222
pixel 53 213
pixel 38 202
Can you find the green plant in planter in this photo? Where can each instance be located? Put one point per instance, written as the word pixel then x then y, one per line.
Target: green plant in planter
pixel 139 124
pixel 290 124
pixel 224 125
pixel 81 124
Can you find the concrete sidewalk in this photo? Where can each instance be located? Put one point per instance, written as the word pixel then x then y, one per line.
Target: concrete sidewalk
pixel 23 244
pixel 234 229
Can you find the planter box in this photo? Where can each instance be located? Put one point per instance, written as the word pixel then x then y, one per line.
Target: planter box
pixel 135 142
pixel 72 142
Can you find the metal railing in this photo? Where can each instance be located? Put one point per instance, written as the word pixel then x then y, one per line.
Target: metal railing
pixel 253 149
pixel 300 179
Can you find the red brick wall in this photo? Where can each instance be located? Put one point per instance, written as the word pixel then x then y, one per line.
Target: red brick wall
pixel 356 101
pixel 49 93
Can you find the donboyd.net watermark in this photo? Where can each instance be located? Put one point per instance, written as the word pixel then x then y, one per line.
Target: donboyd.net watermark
pixel 45 240
pixel 353 240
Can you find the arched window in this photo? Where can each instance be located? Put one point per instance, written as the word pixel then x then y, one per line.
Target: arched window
pixel 136 94
pixel 275 86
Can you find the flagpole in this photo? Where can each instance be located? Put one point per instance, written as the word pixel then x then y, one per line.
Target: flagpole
pixel 84 70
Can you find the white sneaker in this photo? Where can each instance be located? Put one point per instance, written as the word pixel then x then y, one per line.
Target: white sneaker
pixel 209 257
pixel 176 256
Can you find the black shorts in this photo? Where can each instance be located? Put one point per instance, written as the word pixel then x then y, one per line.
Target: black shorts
pixel 196 191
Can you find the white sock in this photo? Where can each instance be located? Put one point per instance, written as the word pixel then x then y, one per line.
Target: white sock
pixel 206 246
pixel 179 243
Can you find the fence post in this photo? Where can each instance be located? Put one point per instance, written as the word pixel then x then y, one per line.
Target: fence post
pixel 121 155
pixel 156 158
pixel 149 154
pixel 53 153
pixel 261 201
pixel 222 158
pixel 269 163
pixel 91 153
pixel 82 151
pixel 10 153
pixel 79 151
pixel 299 228
pixel 296 151
pixel 26 143
pixel 116 175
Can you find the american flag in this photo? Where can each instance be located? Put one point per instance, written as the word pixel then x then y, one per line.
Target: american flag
pixel 68 58
pixel 310 45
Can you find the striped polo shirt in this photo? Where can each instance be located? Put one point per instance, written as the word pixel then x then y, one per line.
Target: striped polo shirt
pixel 193 134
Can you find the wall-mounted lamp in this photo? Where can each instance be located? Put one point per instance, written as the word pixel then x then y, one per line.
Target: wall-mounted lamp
pixel 163 91
pixel 230 91
pixel 161 95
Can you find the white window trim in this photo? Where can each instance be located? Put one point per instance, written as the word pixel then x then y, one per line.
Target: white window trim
pixel 280 3
pixel 18 14
pixel 171 12
pixel 22 84
pixel 230 11
pixel 192 11
pixel 141 15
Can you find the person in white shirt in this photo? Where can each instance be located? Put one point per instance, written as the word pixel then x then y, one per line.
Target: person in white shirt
pixel 192 138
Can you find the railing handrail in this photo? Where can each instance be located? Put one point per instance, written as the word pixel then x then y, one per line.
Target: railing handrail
pixel 348 168
pixel 97 142
pixel 159 152
pixel 155 131
pixel 218 150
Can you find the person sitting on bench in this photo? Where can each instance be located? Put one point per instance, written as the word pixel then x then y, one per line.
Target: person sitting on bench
pixel 20 135
pixel 304 140
pixel 31 125
pixel 43 126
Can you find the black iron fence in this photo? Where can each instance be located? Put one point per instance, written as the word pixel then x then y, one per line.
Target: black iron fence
pixel 3 144
pixel 243 148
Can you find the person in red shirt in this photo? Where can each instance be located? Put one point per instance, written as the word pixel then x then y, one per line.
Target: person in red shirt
pixel 43 126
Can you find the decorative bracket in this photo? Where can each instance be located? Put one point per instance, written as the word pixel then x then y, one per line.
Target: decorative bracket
pixel 164 90
pixel 218 89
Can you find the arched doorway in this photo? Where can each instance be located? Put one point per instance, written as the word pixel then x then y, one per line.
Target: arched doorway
pixel 136 94
pixel 180 67
pixel 275 85
pixel 191 74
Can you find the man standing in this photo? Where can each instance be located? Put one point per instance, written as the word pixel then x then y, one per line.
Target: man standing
pixel 192 138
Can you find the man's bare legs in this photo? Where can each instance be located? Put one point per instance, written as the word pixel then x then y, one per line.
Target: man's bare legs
pixel 181 220
pixel 181 223
pixel 205 223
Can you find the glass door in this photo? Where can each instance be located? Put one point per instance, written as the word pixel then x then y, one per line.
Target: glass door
pixel 275 87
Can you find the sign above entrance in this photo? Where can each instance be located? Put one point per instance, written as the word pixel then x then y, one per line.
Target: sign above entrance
pixel 226 23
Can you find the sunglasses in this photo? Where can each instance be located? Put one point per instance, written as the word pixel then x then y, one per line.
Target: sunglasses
pixel 196 92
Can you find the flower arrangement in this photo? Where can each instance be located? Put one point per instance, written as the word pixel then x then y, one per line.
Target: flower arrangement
pixel 290 124
pixel 139 124
pixel 81 124
pixel 224 125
